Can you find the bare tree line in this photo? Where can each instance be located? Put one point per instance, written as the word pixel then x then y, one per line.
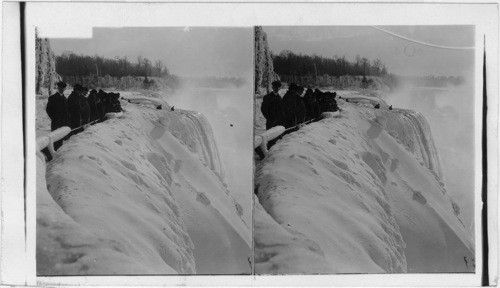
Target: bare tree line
pixel 71 64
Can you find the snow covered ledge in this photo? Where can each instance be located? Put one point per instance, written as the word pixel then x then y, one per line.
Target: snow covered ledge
pixel 140 195
pixel 358 194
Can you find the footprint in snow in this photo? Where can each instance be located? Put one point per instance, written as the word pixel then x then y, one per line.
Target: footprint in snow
pixel 239 209
pixel 177 165
pixel 394 164
pixel 202 197
pixel 341 165
pixel 129 166
pixel 157 131
pixel 384 156
pixel 419 197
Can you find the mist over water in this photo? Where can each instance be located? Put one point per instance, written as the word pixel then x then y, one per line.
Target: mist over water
pixel 450 113
pixel 230 113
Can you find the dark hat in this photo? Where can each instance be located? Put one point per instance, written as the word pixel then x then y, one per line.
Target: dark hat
pixel 61 84
pixel 276 83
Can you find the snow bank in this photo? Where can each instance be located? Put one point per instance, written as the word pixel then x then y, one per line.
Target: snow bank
pixel 358 194
pixel 144 194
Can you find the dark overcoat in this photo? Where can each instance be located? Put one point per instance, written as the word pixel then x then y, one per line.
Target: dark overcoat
pixel 57 109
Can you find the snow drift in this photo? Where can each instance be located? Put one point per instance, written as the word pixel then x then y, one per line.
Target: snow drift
pixel 358 194
pixel 144 194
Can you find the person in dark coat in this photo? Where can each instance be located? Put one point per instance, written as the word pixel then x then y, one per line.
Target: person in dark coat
pixel 300 109
pixel 93 100
pixel 272 107
pixel 115 102
pixel 105 100
pixel 331 103
pixel 99 107
pixel 293 107
pixel 84 106
pixel 74 107
pixel 57 109
pixel 307 99
pixel 320 97
pixel 311 104
pixel 289 107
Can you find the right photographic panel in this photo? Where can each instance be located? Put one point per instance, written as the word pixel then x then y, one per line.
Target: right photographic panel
pixel 364 149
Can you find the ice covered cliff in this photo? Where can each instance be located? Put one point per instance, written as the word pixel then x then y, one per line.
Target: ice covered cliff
pixel 358 194
pixel 264 70
pixel 145 194
pixel 46 75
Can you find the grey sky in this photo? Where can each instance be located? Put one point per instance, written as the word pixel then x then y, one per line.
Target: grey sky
pixel 400 56
pixel 193 51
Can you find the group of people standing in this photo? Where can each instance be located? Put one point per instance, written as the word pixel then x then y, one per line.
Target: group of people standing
pixel 79 110
pixel 294 109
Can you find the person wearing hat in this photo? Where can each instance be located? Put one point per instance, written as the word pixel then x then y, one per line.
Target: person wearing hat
pixel 84 106
pixel 293 106
pixel 58 112
pixel 272 107
pixel 75 118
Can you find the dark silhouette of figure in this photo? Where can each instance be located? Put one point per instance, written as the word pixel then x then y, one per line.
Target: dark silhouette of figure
pixel 84 106
pixel 172 108
pixel 377 106
pixel 116 106
pixel 272 107
pixel 331 102
pixel 293 107
pixel 57 109
pixel 96 106
pixel 311 104
pixel 321 99
pixel 92 100
pixel 105 100
pixel 301 108
pixel 110 101
pixel 74 107
pixel 390 107
pixel 326 101
pixel 100 108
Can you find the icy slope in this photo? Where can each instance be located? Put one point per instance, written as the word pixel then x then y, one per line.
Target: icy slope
pixel 145 194
pixel 358 194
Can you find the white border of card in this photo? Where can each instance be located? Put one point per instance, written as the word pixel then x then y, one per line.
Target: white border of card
pixel 58 19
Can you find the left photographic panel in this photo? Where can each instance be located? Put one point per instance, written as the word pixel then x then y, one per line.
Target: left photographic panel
pixel 144 157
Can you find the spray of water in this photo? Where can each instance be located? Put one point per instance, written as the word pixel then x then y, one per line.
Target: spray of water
pixel 229 111
pixel 450 113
